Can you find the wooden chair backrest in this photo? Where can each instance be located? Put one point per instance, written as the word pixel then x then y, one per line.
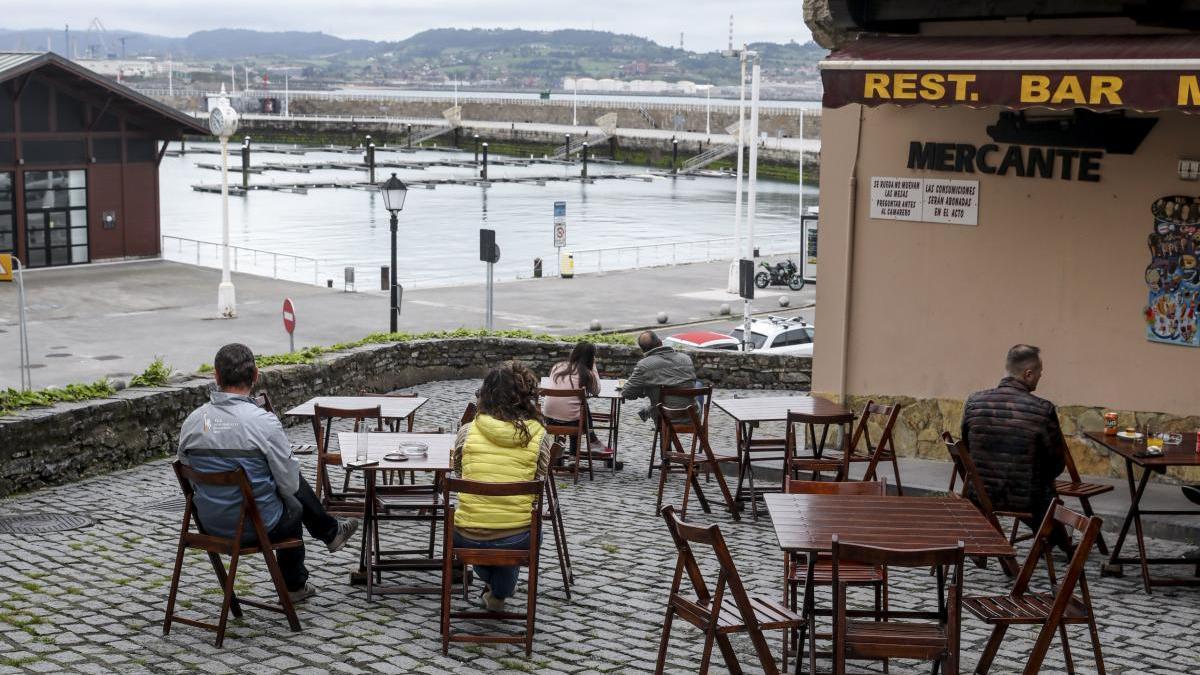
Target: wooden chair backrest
pixel 1088 529
pixel 675 423
pixel 393 424
pixel 874 488
pixel 322 421
pixel 579 426
pixel 702 395
pixel 490 556
pixel 705 603
pixel 794 419
pixel 263 400
pixel 469 413
pixel 862 431
pixel 964 467
pixel 188 478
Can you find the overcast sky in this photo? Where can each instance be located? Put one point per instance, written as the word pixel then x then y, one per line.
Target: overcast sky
pixel 705 23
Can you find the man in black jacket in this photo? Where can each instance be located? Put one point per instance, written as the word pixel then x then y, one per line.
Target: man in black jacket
pixel 1015 439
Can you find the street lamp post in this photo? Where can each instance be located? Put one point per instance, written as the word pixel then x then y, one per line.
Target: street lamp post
pixel 394 191
pixel 223 122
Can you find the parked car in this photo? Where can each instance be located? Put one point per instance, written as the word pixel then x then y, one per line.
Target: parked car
pixel 772 335
pixel 702 339
pixel 779 335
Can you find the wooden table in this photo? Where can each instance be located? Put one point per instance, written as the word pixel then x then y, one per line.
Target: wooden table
pixel 1183 454
pixel 390 407
pixel 389 502
pixel 748 413
pixel 806 523
pixel 609 389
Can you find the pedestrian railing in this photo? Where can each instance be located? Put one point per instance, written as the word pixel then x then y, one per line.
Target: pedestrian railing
pixel 678 252
pixel 242 259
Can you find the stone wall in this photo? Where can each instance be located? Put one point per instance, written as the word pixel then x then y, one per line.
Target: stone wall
pixel 918 432
pixel 66 442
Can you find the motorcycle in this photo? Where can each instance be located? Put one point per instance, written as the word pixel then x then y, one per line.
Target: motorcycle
pixel 781 273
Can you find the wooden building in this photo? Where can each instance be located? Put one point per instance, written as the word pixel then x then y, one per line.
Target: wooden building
pixel 79 156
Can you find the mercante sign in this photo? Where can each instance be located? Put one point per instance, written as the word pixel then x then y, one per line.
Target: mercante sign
pixel 1016 160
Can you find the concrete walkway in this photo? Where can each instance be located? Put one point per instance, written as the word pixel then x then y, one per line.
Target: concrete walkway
pixel 113 320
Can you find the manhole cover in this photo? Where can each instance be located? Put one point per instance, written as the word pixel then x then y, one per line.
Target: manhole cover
pixel 38 523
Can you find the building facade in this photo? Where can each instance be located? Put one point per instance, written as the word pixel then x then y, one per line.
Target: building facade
pixel 987 183
pixel 79 158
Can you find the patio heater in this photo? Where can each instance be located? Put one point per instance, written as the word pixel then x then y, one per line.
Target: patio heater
pixel 394 190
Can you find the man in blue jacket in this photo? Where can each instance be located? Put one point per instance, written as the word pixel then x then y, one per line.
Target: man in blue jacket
pixel 230 431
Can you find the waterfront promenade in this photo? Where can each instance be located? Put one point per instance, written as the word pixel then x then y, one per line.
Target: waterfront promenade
pixel 113 320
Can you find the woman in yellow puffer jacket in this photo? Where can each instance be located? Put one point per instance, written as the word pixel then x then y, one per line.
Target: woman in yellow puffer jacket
pixel 505 443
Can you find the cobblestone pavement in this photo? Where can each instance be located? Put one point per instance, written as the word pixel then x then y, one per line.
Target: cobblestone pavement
pixel 91 600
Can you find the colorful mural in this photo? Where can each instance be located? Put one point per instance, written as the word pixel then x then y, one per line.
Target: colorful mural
pixel 1173 277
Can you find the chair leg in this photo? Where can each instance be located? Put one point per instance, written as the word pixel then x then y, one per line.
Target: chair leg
pixel 1040 647
pixel 235 606
pixel 689 476
pixel 662 483
pixel 171 594
pixel 285 599
pixel 531 602
pixel 896 468
pixel 662 643
pixel 989 651
pixel 1095 635
pixel 706 656
pixel 227 599
pixel 1066 644
pixel 653 454
pixel 447 578
pixel 730 656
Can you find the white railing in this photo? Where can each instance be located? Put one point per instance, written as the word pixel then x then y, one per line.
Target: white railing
pixel 243 259
pixel 678 252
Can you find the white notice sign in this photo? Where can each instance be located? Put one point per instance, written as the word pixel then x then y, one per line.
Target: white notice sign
pixel 896 198
pixel 951 201
pixel 930 200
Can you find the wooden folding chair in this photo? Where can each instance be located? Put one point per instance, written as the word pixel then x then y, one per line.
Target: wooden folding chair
pixel 934 637
pixel 454 556
pixel 1082 491
pixel 577 430
pixel 882 450
pixel 974 489
pixel 711 612
pixel 797 573
pixel 322 421
pixel 1053 611
pixel 819 461
pixel 699 456
pixel 468 414
pixel 216 546
pixel 691 390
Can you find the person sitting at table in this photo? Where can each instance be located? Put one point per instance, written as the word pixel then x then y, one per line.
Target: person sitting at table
pixel 1015 439
pixel 229 432
pixel 505 443
pixel 660 366
pixel 577 372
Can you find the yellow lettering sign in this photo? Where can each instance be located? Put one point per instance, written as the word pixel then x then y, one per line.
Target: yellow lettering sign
pixel 1035 89
pixel 1189 90
pixel 876 86
pixel 1068 90
pixel 904 86
pixel 960 82
pixel 932 88
pixel 1106 87
pixel 6 267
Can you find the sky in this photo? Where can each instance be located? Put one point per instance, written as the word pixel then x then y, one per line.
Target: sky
pixel 704 23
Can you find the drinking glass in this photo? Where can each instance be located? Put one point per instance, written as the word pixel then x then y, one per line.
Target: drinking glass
pixel 362 440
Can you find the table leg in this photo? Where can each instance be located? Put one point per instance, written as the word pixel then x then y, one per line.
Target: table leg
pixel 368 528
pixel 1135 509
pixel 743 455
pixel 1114 567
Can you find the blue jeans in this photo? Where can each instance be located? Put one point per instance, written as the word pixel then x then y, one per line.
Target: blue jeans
pixel 502 579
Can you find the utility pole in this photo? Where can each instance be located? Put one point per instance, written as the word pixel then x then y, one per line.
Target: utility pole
pixel 752 205
pixel 575 105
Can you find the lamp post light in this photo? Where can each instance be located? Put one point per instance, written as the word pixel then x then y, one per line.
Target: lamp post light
pixel 223 122
pixel 394 190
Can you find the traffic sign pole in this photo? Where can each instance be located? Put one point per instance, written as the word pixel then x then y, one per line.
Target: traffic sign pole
pixel 289 323
pixel 560 231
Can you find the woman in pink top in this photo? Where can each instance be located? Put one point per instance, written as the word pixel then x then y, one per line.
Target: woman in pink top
pixel 577 372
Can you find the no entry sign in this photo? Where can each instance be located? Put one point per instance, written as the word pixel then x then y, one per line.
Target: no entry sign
pixel 289 316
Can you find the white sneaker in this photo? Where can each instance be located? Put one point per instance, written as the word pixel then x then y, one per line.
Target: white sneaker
pixel 303 594
pixel 346 529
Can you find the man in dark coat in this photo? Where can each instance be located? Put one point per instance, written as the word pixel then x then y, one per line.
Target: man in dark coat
pixel 1015 439
pixel 661 366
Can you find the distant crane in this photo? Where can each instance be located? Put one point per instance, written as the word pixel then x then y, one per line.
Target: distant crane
pixel 97 35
